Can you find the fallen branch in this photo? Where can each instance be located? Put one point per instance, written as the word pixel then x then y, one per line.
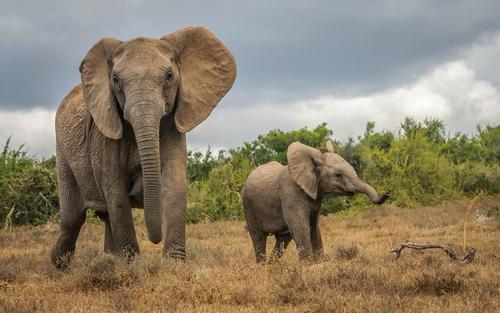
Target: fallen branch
pixel 449 251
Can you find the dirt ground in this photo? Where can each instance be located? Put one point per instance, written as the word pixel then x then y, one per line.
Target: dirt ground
pixel 357 274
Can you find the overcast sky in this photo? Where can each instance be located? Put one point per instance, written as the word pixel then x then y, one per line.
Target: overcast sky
pixel 300 63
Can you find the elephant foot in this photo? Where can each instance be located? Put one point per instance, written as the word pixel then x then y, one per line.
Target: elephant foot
pixel 129 252
pixel 60 260
pixel 318 255
pixel 306 256
pixel 175 256
pixel 174 250
pixel 261 259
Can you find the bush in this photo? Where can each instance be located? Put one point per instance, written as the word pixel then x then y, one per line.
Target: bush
pixel 218 197
pixel 417 164
pixel 411 171
pixel 472 178
pixel 273 145
pixel 28 188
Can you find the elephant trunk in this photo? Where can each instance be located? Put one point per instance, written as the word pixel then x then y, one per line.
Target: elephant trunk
pixel 146 125
pixel 368 190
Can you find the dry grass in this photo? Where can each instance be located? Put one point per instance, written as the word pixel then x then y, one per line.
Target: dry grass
pixel 358 274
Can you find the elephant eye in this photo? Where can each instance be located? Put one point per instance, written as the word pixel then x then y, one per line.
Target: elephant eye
pixel 338 175
pixel 169 76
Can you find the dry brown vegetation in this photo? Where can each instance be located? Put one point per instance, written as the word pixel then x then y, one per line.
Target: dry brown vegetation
pixel 358 273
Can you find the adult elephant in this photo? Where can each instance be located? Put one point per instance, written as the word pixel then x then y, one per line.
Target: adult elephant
pixel 121 136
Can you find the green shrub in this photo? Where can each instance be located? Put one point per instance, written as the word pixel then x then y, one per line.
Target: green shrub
pixel 28 188
pixel 417 165
pixel 472 178
pixel 273 145
pixel 411 171
pixel 218 197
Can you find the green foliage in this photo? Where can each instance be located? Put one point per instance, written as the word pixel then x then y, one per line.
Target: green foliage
pixel 199 164
pixel 471 177
pixel 411 171
pixel 489 139
pixel 218 197
pixel 28 188
pixel 273 145
pixel 432 129
pixel 461 148
pixel 417 165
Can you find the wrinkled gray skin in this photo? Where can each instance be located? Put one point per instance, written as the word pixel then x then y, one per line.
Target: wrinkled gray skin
pixel 121 136
pixel 285 201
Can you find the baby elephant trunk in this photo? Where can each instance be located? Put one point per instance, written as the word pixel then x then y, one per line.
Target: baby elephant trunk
pixel 368 190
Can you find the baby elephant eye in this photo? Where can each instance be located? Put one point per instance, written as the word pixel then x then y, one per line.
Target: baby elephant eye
pixel 116 81
pixel 338 175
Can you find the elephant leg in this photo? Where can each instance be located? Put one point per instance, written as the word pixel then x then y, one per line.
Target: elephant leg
pixel 72 216
pixel 282 241
pixel 109 245
pixel 259 240
pixel 302 238
pixel 121 228
pixel 115 189
pixel 317 244
pixel 174 195
pixel 297 220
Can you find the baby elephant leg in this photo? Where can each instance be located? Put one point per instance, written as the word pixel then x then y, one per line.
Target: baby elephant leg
pixel 317 244
pixel 297 220
pixel 259 245
pixel 282 241
pixel 258 236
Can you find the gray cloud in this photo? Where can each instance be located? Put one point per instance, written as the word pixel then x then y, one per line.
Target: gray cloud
pixel 285 49
pixel 483 57
pixel 451 92
pixel 291 55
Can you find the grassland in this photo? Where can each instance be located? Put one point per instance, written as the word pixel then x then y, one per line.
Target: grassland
pixel 357 274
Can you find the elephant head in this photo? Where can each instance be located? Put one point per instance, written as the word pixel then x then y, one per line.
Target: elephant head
pixel 185 73
pixel 315 172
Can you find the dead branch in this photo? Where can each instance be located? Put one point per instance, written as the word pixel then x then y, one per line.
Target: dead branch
pixel 449 251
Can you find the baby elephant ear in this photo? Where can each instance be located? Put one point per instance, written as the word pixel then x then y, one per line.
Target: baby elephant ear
pixel 302 162
pixel 207 71
pixel 329 146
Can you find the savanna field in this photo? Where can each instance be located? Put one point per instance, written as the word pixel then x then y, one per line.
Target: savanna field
pixel 357 274
pixel 444 189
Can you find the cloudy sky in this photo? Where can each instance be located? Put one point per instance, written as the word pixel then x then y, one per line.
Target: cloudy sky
pixel 300 63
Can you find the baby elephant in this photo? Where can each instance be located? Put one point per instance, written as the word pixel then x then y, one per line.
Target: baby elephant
pixel 285 200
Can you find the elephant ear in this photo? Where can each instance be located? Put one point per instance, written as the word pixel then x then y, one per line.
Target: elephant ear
pixel 207 71
pixel 302 162
pixel 329 146
pixel 100 100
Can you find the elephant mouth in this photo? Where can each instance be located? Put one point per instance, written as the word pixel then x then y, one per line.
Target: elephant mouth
pixel 349 193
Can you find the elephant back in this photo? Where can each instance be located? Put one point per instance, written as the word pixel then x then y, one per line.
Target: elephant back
pixel 264 180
